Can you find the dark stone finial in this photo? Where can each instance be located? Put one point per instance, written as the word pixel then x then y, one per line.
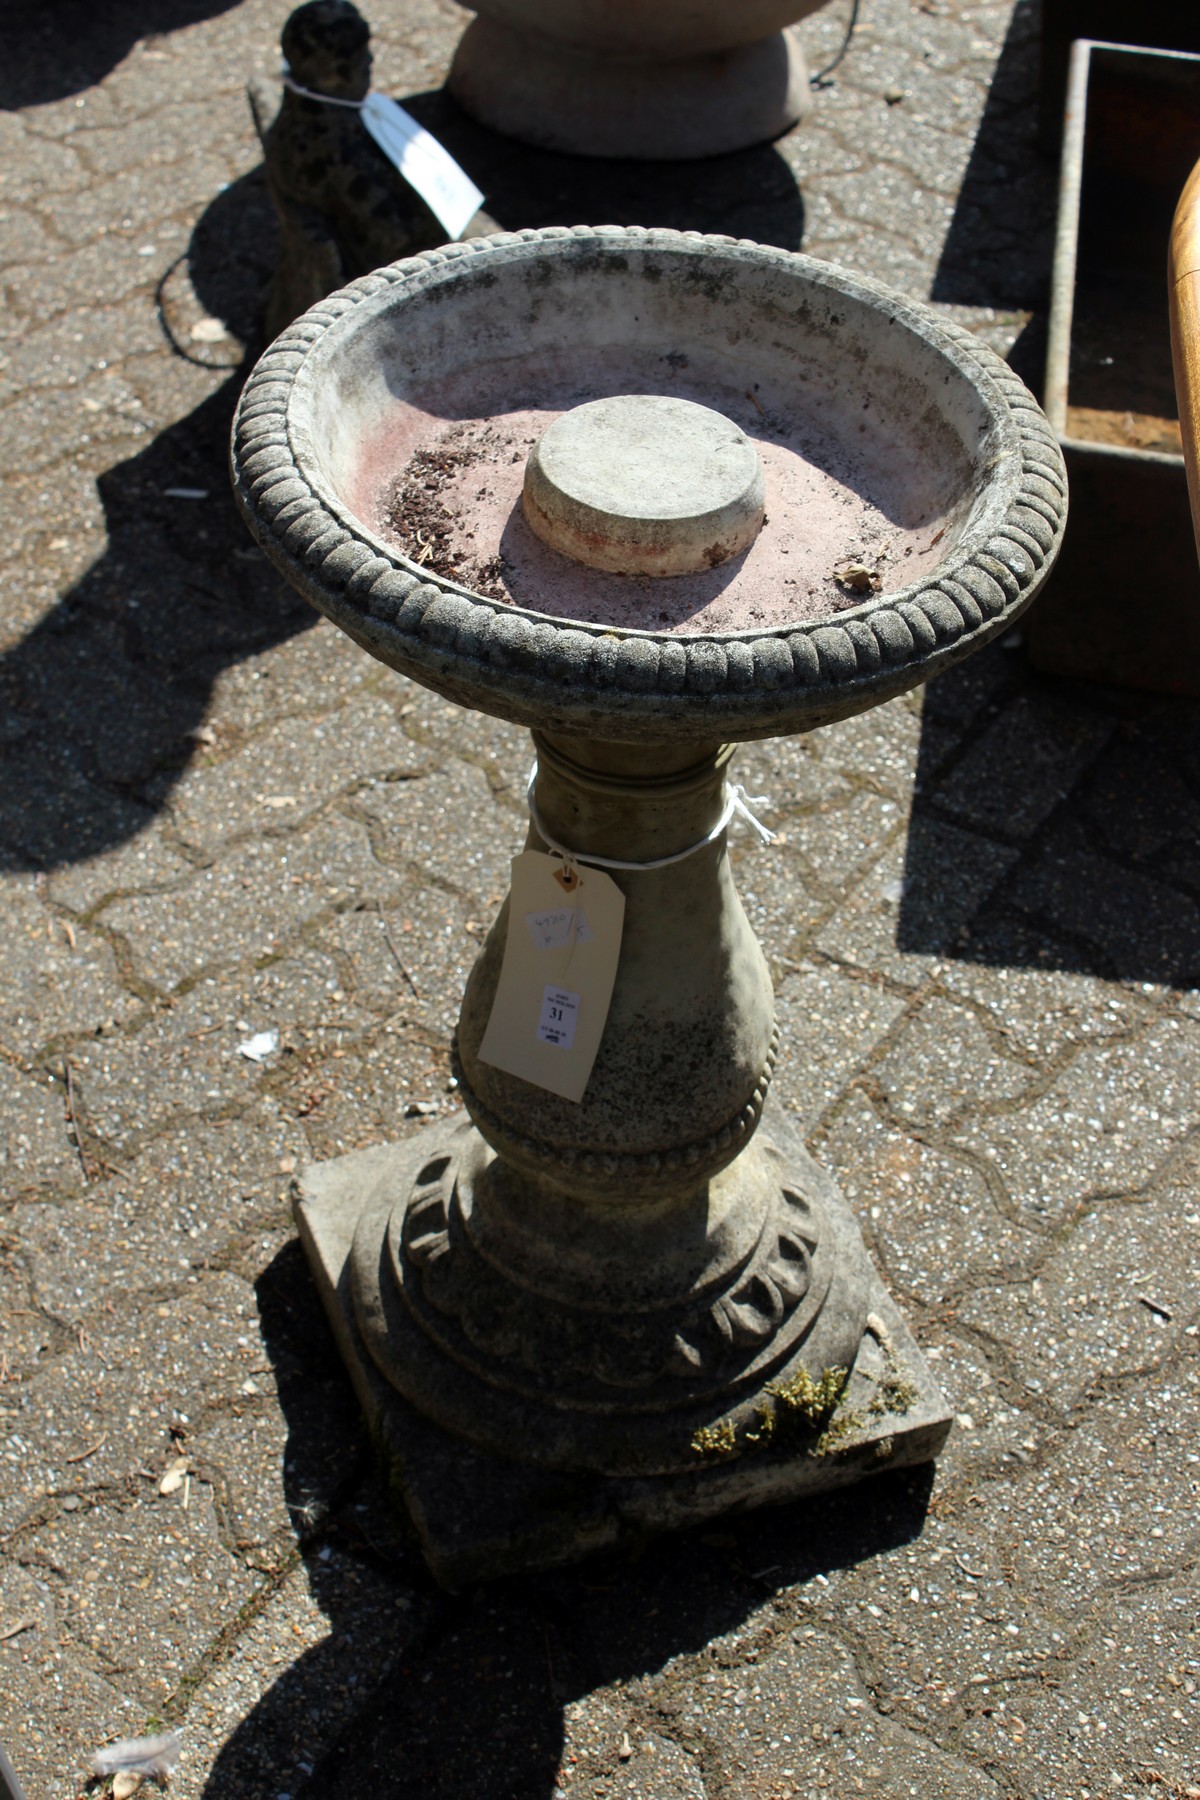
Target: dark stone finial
pixel 327 46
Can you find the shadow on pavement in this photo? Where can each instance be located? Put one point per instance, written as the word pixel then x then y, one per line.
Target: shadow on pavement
pixel 462 1697
pixel 1054 826
pixel 101 698
pixel 751 193
pixel 57 47
pixel 999 247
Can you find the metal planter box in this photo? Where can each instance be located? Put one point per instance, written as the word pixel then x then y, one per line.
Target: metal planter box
pixel 1160 25
pixel 1124 603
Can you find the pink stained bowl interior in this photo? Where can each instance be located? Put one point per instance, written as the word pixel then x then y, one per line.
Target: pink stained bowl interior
pixel 439 479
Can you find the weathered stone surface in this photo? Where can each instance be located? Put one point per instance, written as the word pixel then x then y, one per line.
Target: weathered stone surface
pixel 584 1482
pixel 984 438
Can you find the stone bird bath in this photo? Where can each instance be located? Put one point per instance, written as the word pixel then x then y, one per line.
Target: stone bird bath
pixel 569 1318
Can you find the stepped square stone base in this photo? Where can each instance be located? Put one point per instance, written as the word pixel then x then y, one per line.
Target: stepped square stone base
pixel 478 1515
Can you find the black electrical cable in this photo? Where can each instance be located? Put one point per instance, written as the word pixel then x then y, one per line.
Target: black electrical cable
pixel 817 79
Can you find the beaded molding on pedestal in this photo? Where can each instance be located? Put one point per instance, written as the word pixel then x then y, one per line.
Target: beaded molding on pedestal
pixel 695 1161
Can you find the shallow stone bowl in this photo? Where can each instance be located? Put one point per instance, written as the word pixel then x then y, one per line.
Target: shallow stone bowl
pixel 914 493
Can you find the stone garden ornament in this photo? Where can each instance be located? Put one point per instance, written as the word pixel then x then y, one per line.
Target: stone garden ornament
pixel 344 205
pixel 679 78
pixel 649 494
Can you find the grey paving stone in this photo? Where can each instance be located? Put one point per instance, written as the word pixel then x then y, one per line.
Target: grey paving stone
pixel 829 1023
pixel 246 907
pixel 58 979
pixel 875 746
pixel 1110 1701
pixel 147 1585
pixel 934 1222
pixel 307 675
pixel 1142 1656
pixel 1116 1300
pixel 289 771
pixel 1121 922
pixel 614 1744
pixel 415 829
pixel 36 1143
pixel 787 770
pixel 115 1402
pixel 1101 1128
pixel 1042 1013
pixel 145 864
pixel 503 751
pixel 797 1720
pixel 994 1421
pixel 48 802
pixel 821 852
pixel 55 1706
pixel 945 1065
pixel 118 1097
pixel 917 903
pixel 302 1669
pixel 1024 765
pixel 1140 805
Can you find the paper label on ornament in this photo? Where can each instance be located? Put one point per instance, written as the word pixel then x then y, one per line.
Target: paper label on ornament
pixel 426 165
pixel 559 1013
pixel 556 980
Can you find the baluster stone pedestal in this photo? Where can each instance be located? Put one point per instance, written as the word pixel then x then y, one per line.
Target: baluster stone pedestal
pixel 572 1320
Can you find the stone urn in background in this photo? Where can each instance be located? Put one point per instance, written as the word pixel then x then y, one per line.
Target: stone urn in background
pixel 676 79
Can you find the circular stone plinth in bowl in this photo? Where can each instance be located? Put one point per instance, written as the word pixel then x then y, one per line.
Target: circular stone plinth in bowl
pixel 859 402
pixel 644 484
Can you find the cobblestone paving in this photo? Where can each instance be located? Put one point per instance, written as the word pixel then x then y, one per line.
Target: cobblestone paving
pixel 218 818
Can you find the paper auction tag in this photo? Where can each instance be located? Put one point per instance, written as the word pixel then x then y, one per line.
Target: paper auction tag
pixel 556 980
pixel 426 165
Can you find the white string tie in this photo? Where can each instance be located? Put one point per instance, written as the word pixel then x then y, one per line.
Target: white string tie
pixel 311 94
pixel 737 800
pixel 425 164
pixel 742 803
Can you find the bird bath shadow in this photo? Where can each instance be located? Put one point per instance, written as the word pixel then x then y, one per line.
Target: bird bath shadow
pixel 404 1664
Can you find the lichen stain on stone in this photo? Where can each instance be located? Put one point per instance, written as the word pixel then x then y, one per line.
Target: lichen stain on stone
pixel 716 1440
pixel 799 1402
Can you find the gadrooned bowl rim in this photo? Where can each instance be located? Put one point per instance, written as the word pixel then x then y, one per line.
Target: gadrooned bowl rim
pixel 631 683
